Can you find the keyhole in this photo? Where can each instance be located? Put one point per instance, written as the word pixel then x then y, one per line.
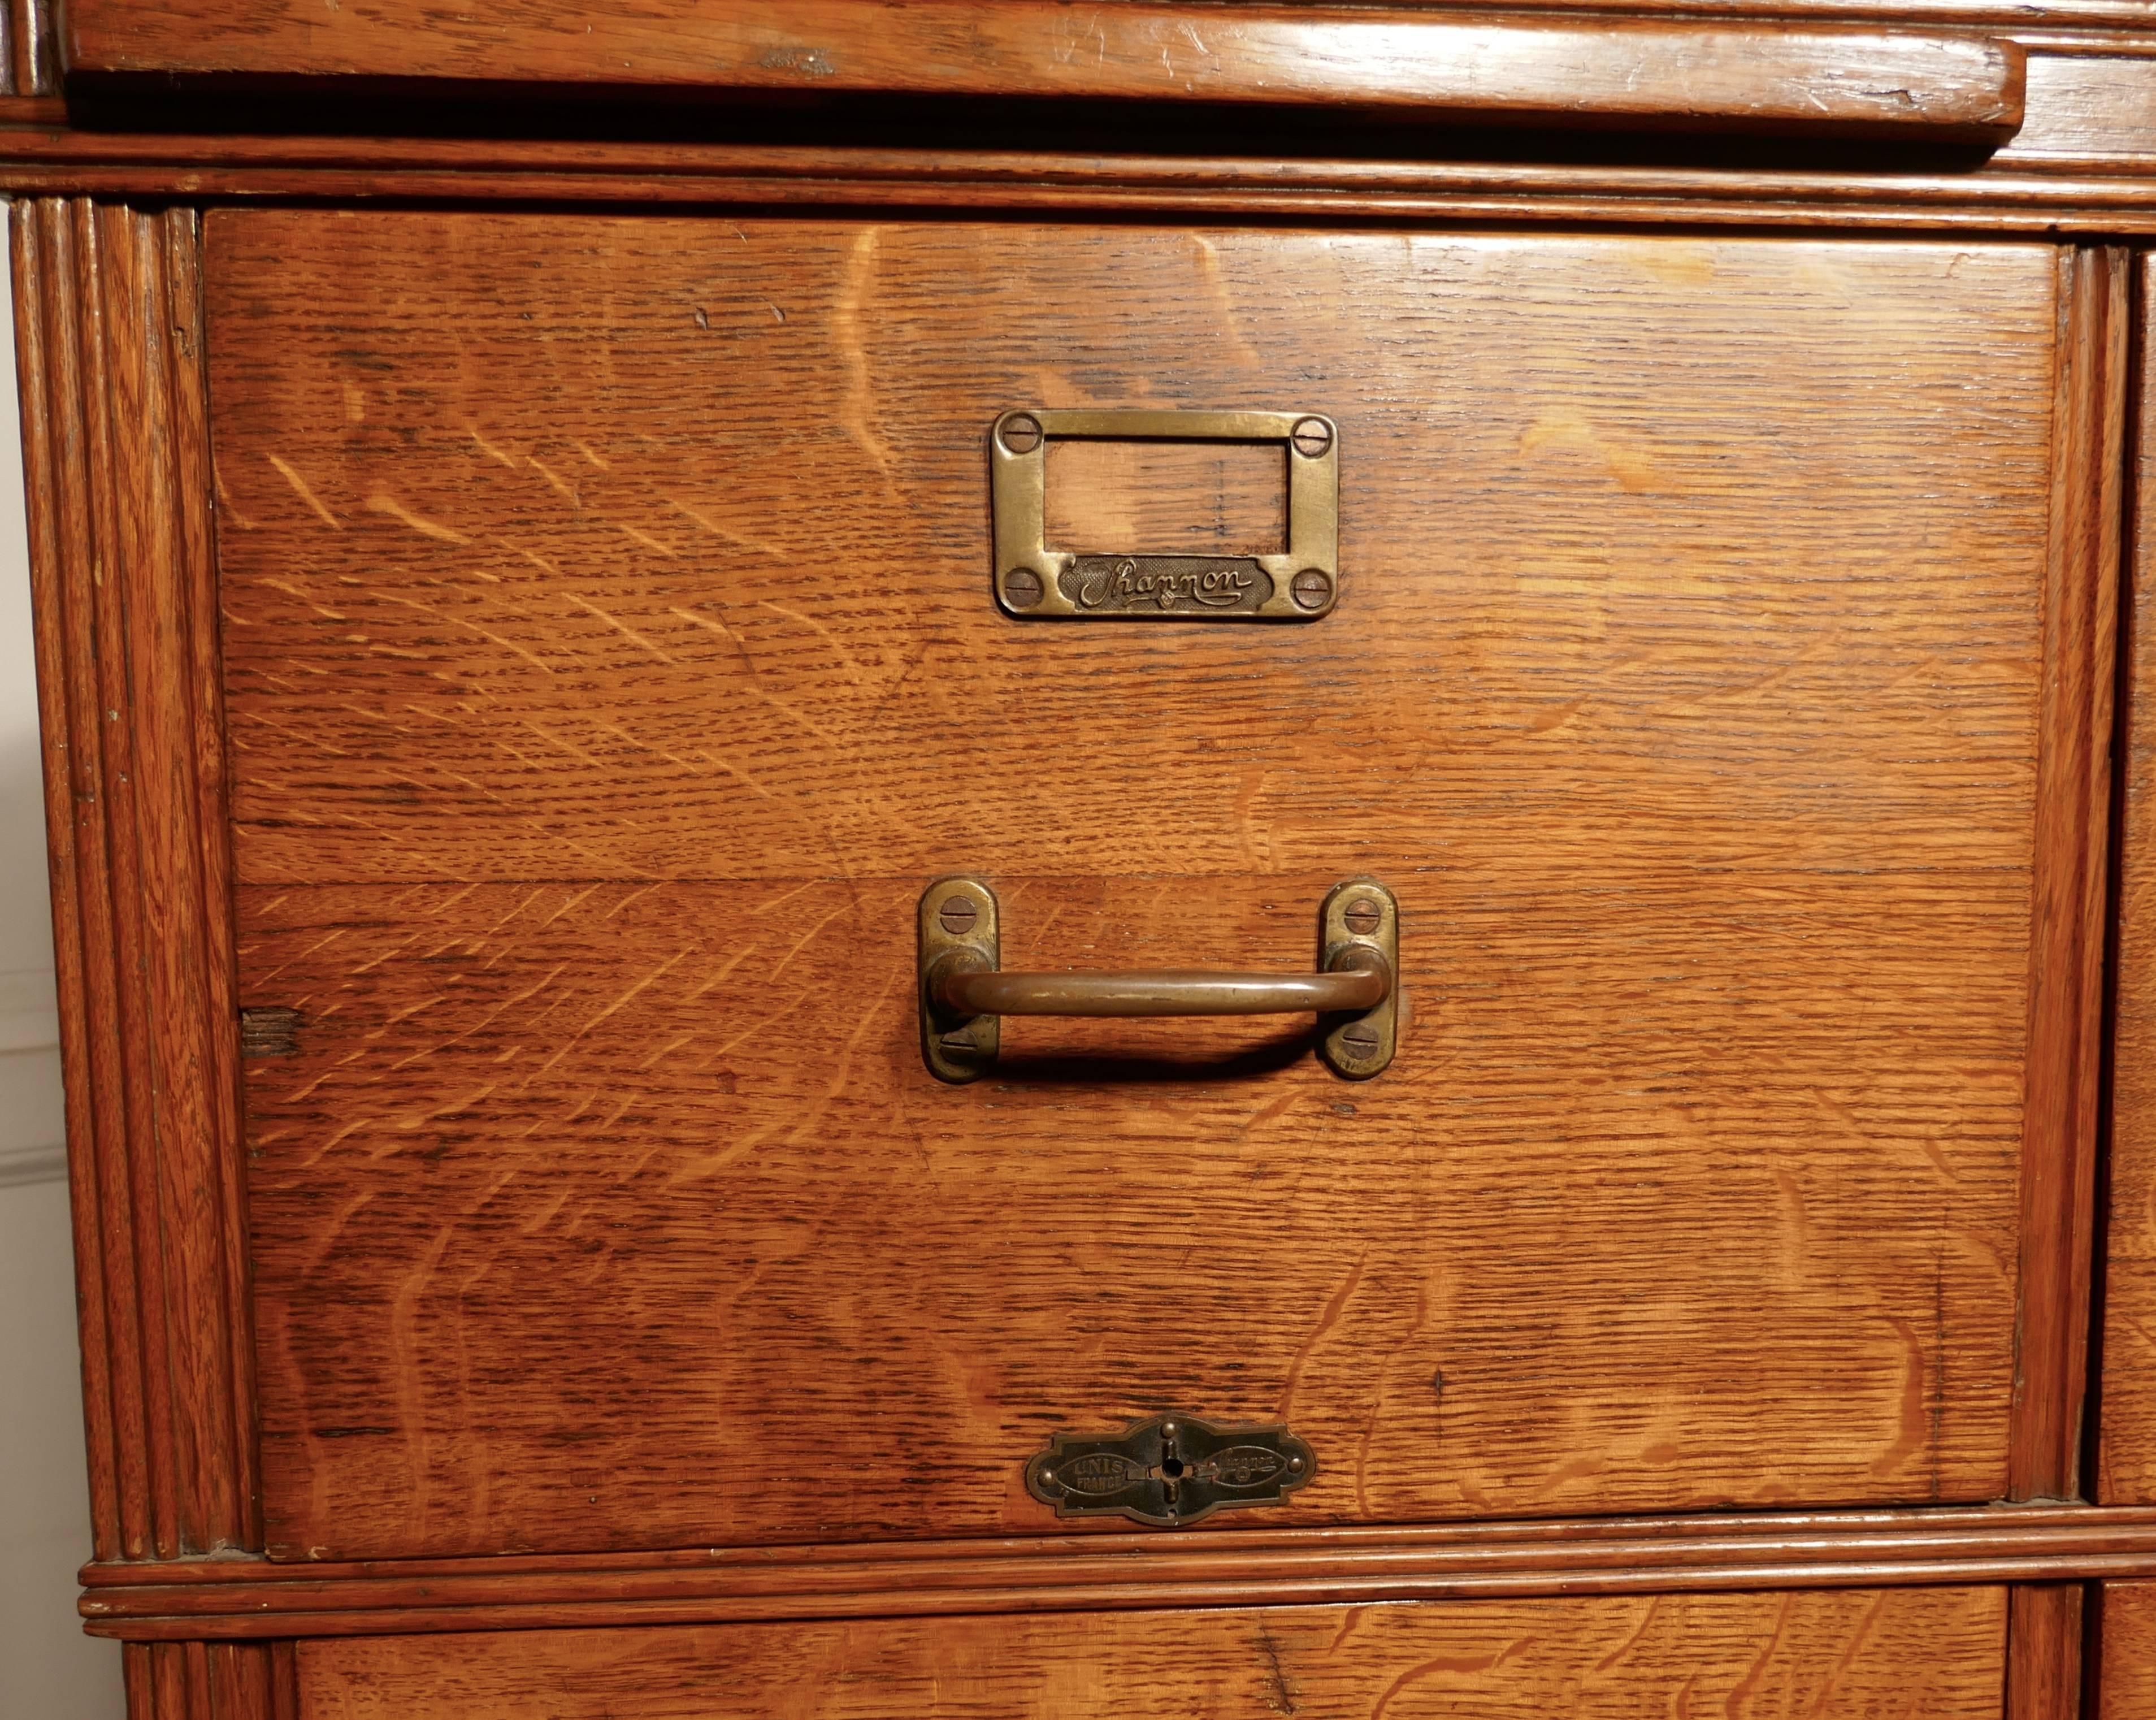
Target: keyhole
pixel 1171 1467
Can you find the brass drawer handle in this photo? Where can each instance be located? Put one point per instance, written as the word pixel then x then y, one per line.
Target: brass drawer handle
pixel 964 993
pixel 964 984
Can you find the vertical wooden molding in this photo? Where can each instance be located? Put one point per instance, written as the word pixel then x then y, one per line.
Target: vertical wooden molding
pixel 2071 881
pixel 2044 1651
pixel 32 57
pixel 110 335
pixel 2126 1458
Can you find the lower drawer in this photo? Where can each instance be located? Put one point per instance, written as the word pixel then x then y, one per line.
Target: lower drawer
pixel 1937 1652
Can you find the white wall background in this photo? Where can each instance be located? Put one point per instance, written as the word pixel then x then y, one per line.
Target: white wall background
pixel 48 1669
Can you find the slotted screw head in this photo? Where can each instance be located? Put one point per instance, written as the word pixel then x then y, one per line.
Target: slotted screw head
pixel 1310 588
pixel 1311 437
pixel 1363 916
pixel 1021 587
pixel 1360 1039
pixel 1021 432
pixel 957 915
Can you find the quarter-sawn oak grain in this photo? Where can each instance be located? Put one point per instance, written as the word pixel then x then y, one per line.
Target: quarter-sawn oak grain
pixel 1937 1652
pixel 610 658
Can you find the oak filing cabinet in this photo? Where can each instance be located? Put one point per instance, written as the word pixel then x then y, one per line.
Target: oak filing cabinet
pixel 1007 860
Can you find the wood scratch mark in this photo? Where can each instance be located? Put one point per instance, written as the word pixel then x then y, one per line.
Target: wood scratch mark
pixel 841 1066
pixel 748 781
pixel 307 494
pixel 764 907
pixel 295 591
pixel 1325 1323
pixel 549 476
pixel 1446 1663
pixel 590 453
pixel 740 956
pixel 620 1002
pixel 854 671
pixel 571 902
pixel 620 627
pixel 465 1033
pixel 556 741
pixel 489 449
pixel 646 539
pixel 802 940
pixel 857 412
pixel 381 504
pixel 719 531
pixel 1739 1699
pixel 1624 1648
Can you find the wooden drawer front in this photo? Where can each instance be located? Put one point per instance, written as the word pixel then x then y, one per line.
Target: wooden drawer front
pixel 610 660
pixel 1884 1652
pixel 2129 1639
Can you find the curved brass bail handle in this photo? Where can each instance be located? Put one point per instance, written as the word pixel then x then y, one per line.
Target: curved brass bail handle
pixel 964 994
pixel 1361 979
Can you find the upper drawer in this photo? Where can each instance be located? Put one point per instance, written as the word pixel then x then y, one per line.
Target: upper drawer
pixel 612 656
pixel 1769 77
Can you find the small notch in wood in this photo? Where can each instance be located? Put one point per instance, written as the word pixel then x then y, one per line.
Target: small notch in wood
pixel 273 1032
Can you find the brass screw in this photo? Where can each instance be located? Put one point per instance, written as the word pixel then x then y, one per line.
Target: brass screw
pixel 1310 588
pixel 961 1041
pixel 1363 916
pixel 1311 437
pixel 1021 432
pixel 1360 1039
pixel 1021 587
pixel 957 915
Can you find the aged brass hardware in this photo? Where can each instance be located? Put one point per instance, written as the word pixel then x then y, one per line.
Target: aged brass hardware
pixel 1167 1470
pixel 963 993
pixel 1032 580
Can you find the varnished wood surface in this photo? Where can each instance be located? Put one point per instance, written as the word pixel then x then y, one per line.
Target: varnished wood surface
pixel 1635 72
pixel 1700 746
pixel 110 343
pixel 2128 1394
pixel 230 1598
pixel 2128 1687
pixel 1936 1651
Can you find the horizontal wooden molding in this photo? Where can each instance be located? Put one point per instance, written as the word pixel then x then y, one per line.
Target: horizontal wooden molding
pixel 1686 74
pixel 248 1599
pixel 39 157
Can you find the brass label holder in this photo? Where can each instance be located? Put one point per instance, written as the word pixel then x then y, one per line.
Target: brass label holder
pixel 1168 1471
pixel 1036 582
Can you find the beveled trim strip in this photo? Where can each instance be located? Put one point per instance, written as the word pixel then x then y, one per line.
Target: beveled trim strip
pixel 232 1598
